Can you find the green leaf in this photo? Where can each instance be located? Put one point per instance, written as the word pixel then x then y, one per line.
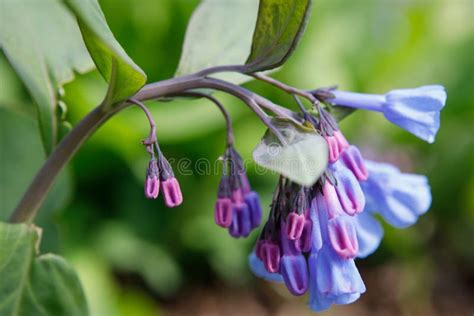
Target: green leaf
pixel 303 160
pixel 35 285
pixel 219 33
pixel 43 43
pixel 125 78
pixel 280 25
pixel 20 161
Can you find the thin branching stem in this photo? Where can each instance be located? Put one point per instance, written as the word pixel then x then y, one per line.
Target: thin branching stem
pixel 152 136
pixel 35 194
pixel 228 120
pixel 285 87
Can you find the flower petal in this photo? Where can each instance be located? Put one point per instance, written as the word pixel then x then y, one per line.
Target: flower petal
pixel 369 233
pixel 258 268
pixel 399 197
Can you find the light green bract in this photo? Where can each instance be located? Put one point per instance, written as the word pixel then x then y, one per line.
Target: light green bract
pixel 303 160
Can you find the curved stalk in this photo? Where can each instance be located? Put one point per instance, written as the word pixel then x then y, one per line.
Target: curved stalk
pixel 31 201
pixel 288 89
pixel 228 120
pixel 36 192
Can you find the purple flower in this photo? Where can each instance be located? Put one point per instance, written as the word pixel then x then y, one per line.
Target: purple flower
pixel 241 220
pixel 348 189
pixel 152 182
pixel 400 198
pixel 253 202
pixel 337 143
pixel 369 233
pixel 353 160
pixel 237 206
pixel 416 110
pixel 293 266
pixel 269 253
pixel 334 279
pixel 303 243
pixel 223 212
pixel 294 225
pixel 342 236
pixel 172 192
pixel 258 268
pixel 336 227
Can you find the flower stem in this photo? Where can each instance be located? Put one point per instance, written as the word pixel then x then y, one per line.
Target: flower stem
pixel 285 87
pixel 31 201
pixel 228 120
pixel 152 136
pixel 36 192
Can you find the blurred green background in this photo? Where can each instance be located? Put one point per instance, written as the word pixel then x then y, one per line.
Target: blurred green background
pixel 136 257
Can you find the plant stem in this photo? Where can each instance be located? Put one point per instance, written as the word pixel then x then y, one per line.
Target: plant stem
pixel 36 192
pixel 285 87
pixel 44 179
pixel 152 136
pixel 225 68
pixel 228 120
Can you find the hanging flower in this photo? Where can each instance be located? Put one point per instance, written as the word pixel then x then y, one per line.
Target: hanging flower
pixel 416 110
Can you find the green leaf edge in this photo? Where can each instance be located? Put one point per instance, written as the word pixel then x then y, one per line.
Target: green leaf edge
pixel 110 98
pixel 252 67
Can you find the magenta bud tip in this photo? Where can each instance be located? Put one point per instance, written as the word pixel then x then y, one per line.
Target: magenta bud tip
pixel 295 225
pixel 172 192
pixel 223 212
pixel 152 187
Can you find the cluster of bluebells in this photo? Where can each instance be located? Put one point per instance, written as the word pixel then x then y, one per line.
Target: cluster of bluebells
pixel 313 235
pixel 160 174
pixel 237 207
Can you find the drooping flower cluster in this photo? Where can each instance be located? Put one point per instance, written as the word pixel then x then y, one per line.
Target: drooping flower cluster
pixel 237 207
pixel 159 173
pixel 313 235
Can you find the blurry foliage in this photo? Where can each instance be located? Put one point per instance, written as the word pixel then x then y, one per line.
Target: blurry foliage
pixel 109 231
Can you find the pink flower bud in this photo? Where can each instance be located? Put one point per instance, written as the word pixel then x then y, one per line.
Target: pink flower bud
pixel 172 192
pixel 342 142
pixel 259 247
pixel 237 196
pixel 271 256
pixel 353 160
pixel 152 187
pixel 333 205
pixel 343 237
pixel 333 148
pixel 223 212
pixel 294 226
pixel 303 243
pixel 348 189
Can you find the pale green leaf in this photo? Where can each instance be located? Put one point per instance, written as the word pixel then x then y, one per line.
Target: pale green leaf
pixel 219 33
pixel 303 160
pixel 118 69
pixel 279 27
pixel 43 43
pixel 35 285
pixel 20 159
